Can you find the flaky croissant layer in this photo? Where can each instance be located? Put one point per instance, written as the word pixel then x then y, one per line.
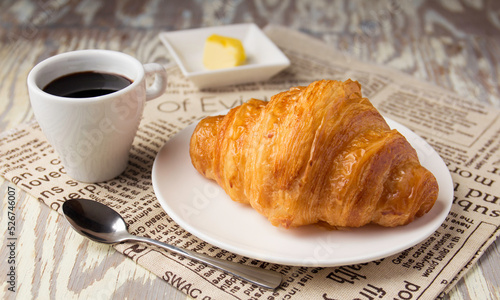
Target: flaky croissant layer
pixel 320 153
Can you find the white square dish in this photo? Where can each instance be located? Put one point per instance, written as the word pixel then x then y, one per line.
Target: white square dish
pixel 264 59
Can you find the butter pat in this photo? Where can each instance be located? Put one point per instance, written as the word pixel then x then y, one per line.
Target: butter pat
pixel 223 52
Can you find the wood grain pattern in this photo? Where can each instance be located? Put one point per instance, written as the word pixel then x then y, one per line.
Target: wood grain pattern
pixel 454 44
pixel 58 263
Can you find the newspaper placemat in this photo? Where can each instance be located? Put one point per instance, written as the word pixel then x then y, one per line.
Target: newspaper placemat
pixel 466 135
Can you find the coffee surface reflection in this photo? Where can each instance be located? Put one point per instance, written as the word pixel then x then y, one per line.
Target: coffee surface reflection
pixel 86 84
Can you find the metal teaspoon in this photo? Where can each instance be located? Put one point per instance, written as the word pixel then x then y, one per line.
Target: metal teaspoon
pixel 102 224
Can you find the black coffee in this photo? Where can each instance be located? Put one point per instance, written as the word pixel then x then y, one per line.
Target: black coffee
pixel 86 84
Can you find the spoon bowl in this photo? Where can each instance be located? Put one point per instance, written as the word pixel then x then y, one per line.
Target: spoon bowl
pixel 102 224
pixel 95 221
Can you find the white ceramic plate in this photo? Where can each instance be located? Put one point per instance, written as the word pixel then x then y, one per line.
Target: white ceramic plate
pixel 264 59
pixel 201 207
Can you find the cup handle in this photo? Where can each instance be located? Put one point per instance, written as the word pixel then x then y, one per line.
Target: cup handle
pixel 160 80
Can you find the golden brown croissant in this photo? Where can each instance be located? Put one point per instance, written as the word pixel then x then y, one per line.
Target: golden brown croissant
pixel 320 153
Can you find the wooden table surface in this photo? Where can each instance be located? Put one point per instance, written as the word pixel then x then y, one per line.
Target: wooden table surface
pixel 454 44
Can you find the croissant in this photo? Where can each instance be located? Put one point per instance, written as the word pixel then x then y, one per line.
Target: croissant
pixel 315 154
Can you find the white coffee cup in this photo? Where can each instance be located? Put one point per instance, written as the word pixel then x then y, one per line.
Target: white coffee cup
pixel 93 135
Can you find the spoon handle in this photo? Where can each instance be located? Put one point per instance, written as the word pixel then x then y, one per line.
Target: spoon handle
pixel 261 277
